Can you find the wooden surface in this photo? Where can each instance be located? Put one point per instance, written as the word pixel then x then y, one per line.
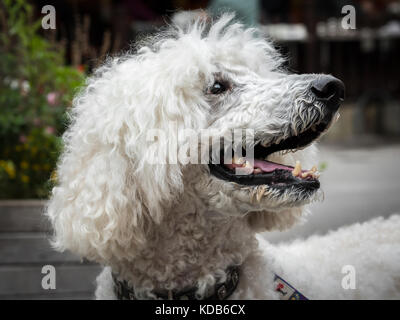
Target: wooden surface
pixel 25 249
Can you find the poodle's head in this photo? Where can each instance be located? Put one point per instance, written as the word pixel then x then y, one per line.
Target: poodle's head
pixel 161 126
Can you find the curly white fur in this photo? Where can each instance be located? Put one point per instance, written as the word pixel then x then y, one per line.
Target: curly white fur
pixel 170 226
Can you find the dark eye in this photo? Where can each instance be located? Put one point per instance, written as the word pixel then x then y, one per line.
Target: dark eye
pixel 218 88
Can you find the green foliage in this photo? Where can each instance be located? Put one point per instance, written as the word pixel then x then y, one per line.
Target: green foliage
pixel 36 88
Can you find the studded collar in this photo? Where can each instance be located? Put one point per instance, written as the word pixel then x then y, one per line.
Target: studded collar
pixel 221 290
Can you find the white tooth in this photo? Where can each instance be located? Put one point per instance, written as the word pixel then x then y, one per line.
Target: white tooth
pixel 314 174
pixel 264 143
pixel 247 168
pixel 238 160
pixel 257 170
pixel 297 169
pixel 311 173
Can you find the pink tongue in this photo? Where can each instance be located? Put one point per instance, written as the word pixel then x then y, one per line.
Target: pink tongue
pixel 267 166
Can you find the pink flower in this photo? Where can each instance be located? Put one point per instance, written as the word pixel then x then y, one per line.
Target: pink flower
pixel 50 130
pixel 52 98
pixel 22 138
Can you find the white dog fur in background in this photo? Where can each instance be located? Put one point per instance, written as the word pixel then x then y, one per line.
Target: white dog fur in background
pixel 172 226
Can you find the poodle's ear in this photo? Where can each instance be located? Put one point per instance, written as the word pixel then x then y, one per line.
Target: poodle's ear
pixel 108 196
pixel 96 210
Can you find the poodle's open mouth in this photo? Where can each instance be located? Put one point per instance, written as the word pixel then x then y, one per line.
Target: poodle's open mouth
pixel 264 172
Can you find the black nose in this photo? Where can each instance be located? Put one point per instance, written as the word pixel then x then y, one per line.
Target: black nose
pixel 328 89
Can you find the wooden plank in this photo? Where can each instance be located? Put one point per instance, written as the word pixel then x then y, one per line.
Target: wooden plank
pixel 22 216
pixel 26 280
pixel 17 248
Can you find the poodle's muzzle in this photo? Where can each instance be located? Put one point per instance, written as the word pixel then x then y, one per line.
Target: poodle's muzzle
pixel 328 92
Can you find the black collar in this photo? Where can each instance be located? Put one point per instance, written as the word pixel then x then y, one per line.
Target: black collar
pixel 221 290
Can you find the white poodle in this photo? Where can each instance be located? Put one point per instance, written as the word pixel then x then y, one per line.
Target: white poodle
pixel 184 230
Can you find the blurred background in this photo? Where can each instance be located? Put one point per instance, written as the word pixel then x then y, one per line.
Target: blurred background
pixel 41 69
